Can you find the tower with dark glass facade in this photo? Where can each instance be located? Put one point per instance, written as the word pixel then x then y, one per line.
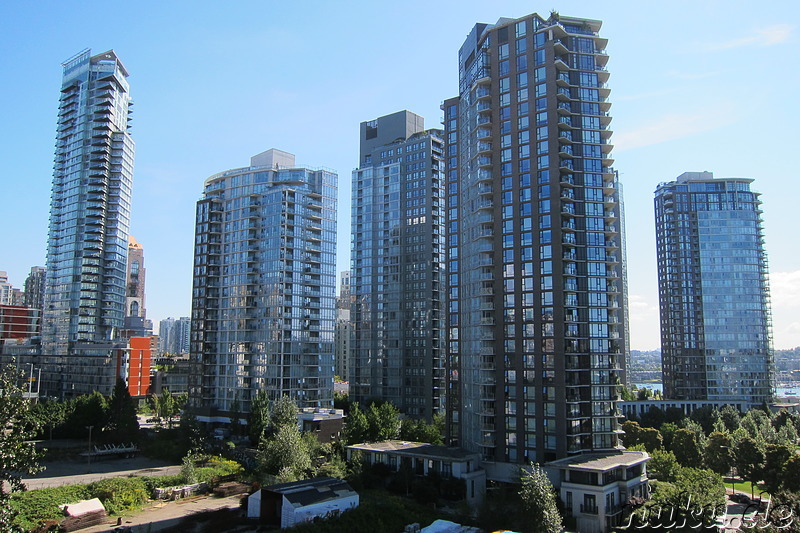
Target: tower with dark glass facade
pixel 263 298
pixel 713 290
pixel 536 327
pixel 397 263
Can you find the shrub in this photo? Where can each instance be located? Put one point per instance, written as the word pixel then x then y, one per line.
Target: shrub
pixel 37 506
pixel 120 494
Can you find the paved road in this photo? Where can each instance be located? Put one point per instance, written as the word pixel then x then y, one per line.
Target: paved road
pixel 70 472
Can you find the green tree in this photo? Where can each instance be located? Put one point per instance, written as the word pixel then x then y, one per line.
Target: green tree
pixel 632 431
pixel 285 454
pixel 418 430
pixel 730 417
pixel 284 413
pixel 706 416
pixel 686 447
pixel 651 438
pixel 668 430
pixel 749 459
pixel 791 474
pixel 662 465
pixel 775 457
pixel 49 414
pixel 163 406
pixel 691 498
pixel 538 502
pixel 86 410
pixel 384 422
pixel 356 430
pixel 718 453
pixel 17 455
pixel 259 416
pixel 123 424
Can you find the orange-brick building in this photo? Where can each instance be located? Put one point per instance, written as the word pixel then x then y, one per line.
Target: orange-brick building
pixel 133 365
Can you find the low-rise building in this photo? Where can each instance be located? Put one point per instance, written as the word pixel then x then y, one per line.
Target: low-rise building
pixel 326 424
pixel 424 459
pixel 289 504
pixel 595 487
pixel 636 408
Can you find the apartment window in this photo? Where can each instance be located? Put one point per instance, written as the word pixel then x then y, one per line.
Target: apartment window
pixel 520 30
pixel 521 45
pixel 505 85
pixel 502 51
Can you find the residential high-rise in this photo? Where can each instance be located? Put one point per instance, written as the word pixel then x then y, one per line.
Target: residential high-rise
pixel 263 302
pixel 174 335
pixel 536 325
pixel 136 322
pixel 397 263
pixel 6 289
pixel 713 290
pixel 34 288
pixel 84 303
pixel 342 352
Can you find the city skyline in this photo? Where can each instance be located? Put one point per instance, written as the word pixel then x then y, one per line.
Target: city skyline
pixel 701 101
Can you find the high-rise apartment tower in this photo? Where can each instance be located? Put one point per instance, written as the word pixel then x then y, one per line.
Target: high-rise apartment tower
pixel 534 278
pixel 263 302
pixel 397 263
pixel 713 290
pixel 87 249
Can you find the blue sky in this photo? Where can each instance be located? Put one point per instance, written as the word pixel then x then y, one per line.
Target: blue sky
pixel 702 85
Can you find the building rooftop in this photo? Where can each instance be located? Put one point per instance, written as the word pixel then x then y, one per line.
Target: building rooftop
pixel 601 462
pixel 309 491
pixel 415 448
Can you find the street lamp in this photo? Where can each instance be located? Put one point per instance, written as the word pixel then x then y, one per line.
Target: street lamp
pixel 89 455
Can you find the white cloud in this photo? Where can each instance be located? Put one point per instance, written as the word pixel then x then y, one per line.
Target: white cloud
pixel 777 34
pixel 673 126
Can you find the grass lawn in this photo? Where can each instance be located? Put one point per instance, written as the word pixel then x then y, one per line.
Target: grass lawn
pixel 746 486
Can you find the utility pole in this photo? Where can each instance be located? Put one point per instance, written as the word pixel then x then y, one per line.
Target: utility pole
pixel 89 455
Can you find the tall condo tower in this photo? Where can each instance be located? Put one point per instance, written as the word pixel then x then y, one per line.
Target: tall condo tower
pixel 536 324
pixel 84 302
pixel 397 265
pixel 263 302
pixel 713 290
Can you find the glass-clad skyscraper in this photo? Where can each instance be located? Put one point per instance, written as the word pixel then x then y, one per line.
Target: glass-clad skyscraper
pixel 87 249
pixel 263 301
pixel 713 290
pixel 397 264
pixel 536 326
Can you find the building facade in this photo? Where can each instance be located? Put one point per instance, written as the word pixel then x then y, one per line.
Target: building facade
pixel 173 335
pixel 397 261
pixel 263 301
pixel 713 291
pixel 34 288
pixel 84 302
pixel 136 322
pixel 6 289
pixel 536 326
